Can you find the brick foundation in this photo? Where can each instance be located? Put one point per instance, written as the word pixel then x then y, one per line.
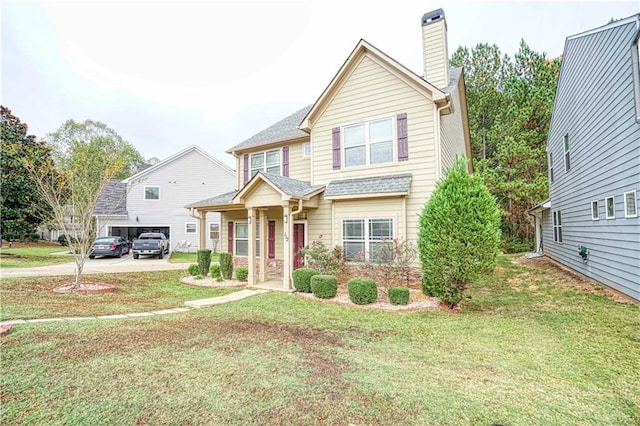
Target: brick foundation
pixel 274 266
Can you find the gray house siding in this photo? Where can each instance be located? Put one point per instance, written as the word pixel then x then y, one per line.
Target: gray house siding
pixel 595 107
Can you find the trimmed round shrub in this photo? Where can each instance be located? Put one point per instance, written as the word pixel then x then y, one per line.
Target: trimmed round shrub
pixel 302 279
pixel 242 273
pixel 324 286
pixel 362 291
pixel 193 269
pixel 398 295
pixel 214 271
pixel 226 265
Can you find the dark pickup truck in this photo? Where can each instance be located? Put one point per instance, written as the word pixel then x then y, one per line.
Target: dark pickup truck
pixel 153 243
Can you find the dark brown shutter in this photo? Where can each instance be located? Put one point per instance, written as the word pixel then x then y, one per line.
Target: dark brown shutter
pixel 335 137
pixel 230 237
pixel 403 145
pixel 285 161
pixel 245 169
pixel 272 239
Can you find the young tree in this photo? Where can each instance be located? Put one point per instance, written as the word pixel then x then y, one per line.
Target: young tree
pixel 21 208
pixel 459 234
pixel 86 156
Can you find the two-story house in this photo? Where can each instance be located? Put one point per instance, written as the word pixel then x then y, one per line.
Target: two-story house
pixel 153 200
pixel 590 222
pixel 356 167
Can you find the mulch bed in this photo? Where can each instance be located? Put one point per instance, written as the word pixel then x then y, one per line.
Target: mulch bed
pixel 86 288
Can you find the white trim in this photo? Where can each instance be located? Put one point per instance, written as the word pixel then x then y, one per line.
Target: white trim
pixel 635 66
pixel 304 149
pixel 606 207
pixel 635 202
pixel 566 148
pixel 366 237
pixel 235 237
pixel 186 228
pixel 368 143
pixel 264 164
pixel 557 226
pixel 144 193
pixel 597 217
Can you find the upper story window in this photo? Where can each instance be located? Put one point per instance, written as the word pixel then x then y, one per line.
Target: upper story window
pixel 267 161
pixel 307 149
pixel 151 192
pixel 369 143
pixel 611 207
pixel 551 166
pixel 567 162
pixel 630 208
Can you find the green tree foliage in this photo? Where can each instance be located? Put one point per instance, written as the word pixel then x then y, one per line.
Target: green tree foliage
pixel 510 103
pixel 21 207
pixel 86 155
pixel 459 234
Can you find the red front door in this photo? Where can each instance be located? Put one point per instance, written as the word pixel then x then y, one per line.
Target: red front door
pixel 298 244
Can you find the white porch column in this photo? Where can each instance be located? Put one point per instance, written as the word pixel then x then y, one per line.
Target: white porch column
pixel 287 235
pixel 202 244
pixel 251 249
pixel 537 220
pixel 264 251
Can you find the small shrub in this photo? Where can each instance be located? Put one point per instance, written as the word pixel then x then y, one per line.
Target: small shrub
pixel 193 270
pixel 325 260
pixel 302 279
pixel 324 286
pixel 242 274
pixel 33 237
pixel 214 271
pixel 204 261
pixel 226 265
pixel 398 295
pixel 362 291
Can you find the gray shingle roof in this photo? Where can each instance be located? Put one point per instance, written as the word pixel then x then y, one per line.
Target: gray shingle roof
pixel 370 185
pixel 454 76
pixel 218 199
pixel 286 128
pixel 291 187
pixel 112 200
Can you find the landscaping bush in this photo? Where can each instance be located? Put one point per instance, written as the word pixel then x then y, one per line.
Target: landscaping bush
pixel 214 271
pixel 326 261
pixel 362 291
pixel 204 261
pixel 242 273
pixel 398 295
pixel 62 239
pixel 302 279
pixel 226 265
pixel 458 235
pixel 193 269
pixel 33 237
pixel 324 286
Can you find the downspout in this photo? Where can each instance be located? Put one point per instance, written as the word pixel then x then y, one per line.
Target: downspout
pixel 438 136
pixel 298 210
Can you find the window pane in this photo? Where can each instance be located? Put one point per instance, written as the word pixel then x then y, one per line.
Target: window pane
pixel 242 230
pixel 353 229
pixel 594 210
pixel 242 248
pixel 275 170
pixel 566 143
pixel 381 252
pixel 382 152
pixel 630 202
pixel 307 149
pixel 354 135
pixel 273 157
pixel 354 156
pixel 610 207
pixel 382 129
pixel 152 193
pixel 559 218
pixel 257 161
pixel 380 229
pixel 352 250
pixel 191 228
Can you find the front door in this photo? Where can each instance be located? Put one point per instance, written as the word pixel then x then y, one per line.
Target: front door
pixel 298 244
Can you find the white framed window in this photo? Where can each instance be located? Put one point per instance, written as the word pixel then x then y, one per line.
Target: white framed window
pixel 595 212
pixel 369 143
pixel 610 206
pixel 190 228
pixel 214 230
pixel 557 226
pixel 266 161
pixel 306 151
pixel 567 160
pixel 550 166
pixel 630 207
pixel 241 239
pixel 151 192
pixel 366 239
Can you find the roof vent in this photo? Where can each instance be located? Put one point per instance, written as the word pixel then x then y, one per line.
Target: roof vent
pixel 433 16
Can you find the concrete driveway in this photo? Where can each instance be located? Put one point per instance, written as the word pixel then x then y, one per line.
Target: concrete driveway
pixel 100 265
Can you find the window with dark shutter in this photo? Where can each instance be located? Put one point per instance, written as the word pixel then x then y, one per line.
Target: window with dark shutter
pixel 230 237
pixel 245 169
pixel 272 239
pixel 285 161
pixel 403 144
pixel 335 137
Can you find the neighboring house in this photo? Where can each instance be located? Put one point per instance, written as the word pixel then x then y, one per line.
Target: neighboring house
pixel 49 230
pixel 594 159
pixel 153 200
pixel 356 167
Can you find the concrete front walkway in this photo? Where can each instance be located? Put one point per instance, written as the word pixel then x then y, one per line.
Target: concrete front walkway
pixel 203 303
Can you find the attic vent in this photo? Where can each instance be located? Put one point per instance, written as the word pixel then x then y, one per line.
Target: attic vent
pixel 433 16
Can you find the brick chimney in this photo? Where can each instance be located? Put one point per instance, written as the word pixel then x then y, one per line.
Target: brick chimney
pixel 434 48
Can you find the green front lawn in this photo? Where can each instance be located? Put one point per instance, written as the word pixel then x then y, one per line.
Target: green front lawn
pixel 180 257
pixel 532 346
pixel 29 257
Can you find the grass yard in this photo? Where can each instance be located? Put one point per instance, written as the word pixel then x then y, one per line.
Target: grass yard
pixel 29 256
pixel 180 257
pixel 533 346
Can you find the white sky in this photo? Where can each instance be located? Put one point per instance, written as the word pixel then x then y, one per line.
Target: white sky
pixel 168 74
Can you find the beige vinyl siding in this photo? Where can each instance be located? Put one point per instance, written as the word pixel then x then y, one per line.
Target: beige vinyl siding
pixel 299 165
pixel 453 144
pixel 263 195
pixel 319 222
pixel 434 42
pixel 369 209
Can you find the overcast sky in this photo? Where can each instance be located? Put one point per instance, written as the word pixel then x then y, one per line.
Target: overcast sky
pixel 168 74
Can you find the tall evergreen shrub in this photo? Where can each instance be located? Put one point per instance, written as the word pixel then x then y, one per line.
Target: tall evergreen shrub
pixel 459 234
pixel 226 265
pixel 204 261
